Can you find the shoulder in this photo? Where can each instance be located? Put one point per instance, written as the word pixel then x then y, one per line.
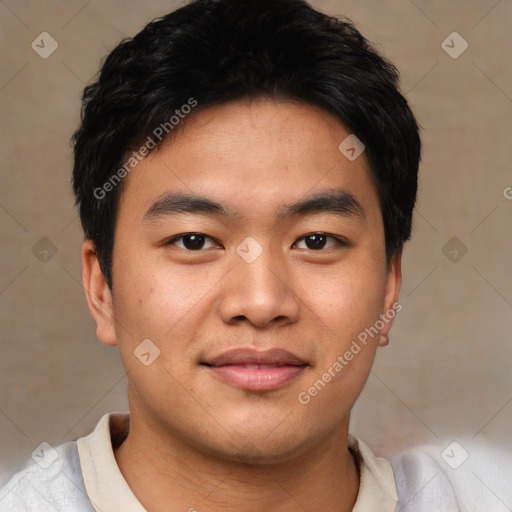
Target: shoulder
pixel 422 483
pixel 472 476
pixel 50 481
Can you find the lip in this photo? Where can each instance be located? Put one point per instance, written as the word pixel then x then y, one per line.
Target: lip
pixel 274 368
pixel 241 356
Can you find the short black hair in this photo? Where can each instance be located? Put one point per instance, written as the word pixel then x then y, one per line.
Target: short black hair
pixel 211 52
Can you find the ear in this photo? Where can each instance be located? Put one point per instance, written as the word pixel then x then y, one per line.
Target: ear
pixel 393 285
pixel 97 292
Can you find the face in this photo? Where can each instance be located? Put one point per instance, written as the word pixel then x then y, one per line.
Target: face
pixel 265 268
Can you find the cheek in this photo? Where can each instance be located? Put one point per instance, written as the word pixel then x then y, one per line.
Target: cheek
pixel 347 301
pixel 348 307
pixel 348 304
pixel 158 303
pixel 151 296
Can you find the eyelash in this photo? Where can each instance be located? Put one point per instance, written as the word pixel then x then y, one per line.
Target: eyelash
pixel 339 241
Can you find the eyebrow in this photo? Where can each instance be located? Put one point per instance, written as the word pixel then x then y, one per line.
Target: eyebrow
pixel 336 201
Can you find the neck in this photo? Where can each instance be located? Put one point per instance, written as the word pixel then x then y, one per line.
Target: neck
pixel 168 474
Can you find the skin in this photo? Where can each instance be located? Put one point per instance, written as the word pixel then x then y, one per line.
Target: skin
pixel 196 441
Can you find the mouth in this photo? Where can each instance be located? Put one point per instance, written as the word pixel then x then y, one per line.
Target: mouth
pixel 256 371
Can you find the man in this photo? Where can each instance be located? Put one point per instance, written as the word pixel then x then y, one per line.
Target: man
pixel 246 174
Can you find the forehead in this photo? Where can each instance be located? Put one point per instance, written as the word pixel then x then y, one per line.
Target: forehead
pixel 253 156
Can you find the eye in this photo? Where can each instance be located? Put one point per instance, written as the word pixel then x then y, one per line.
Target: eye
pixel 318 241
pixel 198 241
pixel 192 241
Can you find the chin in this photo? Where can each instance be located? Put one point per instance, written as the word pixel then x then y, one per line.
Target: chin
pixel 262 443
pixel 260 453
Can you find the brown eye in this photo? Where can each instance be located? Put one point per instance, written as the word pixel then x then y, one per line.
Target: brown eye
pixel 191 241
pixel 318 241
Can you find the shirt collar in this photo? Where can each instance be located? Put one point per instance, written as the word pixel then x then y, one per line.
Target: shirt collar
pixel 377 488
pixel 106 487
pixel 108 491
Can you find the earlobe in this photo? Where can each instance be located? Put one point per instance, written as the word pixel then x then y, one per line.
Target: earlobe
pixel 383 340
pixel 98 295
pixel 393 285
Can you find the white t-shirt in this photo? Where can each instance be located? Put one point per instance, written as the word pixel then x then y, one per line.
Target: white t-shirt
pixel 83 476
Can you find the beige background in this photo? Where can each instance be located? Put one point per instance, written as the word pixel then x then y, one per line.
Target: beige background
pixel 447 373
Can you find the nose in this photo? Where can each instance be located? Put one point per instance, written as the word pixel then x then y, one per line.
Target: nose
pixel 261 292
